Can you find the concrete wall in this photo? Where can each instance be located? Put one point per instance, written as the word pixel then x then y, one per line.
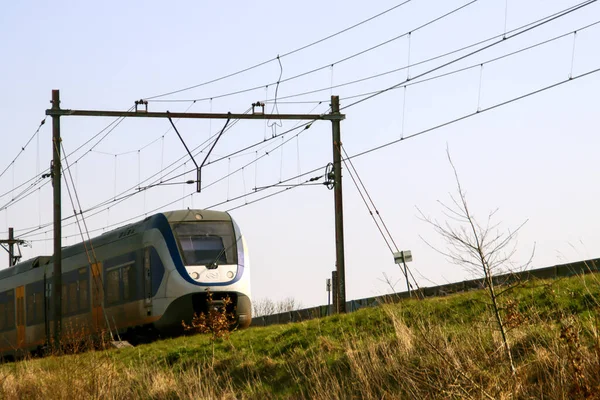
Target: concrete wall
pixel 553 272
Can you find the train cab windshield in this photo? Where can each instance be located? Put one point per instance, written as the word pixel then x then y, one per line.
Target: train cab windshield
pixel 206 242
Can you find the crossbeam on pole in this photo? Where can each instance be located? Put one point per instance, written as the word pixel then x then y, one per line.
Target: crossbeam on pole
pixel 142 114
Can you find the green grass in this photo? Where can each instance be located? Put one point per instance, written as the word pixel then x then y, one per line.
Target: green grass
pixel 327 357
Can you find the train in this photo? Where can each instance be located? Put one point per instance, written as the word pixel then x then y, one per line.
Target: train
pixel 140 281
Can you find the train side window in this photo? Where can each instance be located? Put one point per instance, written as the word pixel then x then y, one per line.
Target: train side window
pixel 2 316
pixel 112 286
pixel 39 307
pixel 73 304
pixel 30 308
pixel 125 279
pixel 128 278
pixel 64 301
pixel 10 313
pixel 83 295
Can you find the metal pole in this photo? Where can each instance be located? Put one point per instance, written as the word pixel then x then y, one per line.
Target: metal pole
pixel 339 211
pixel 11 247
pixel 57 260
pixel 328 282
pixel 406 276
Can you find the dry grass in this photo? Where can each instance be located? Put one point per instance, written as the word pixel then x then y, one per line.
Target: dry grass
pixel 372 354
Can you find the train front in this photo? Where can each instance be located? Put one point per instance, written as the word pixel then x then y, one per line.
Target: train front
pixel 211 256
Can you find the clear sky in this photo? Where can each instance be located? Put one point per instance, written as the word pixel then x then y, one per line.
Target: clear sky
pixel 535 159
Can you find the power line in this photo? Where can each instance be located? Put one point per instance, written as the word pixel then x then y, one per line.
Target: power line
pixel 23 148
pixel 505 38
pixel 529 94
pixel 269 195
pixel 22 195
pixel 305 126
pixel 118 200
pixel 166 181
pixel 430 129
pixel 515 99
pixel 385 239
pixel 328 65
pixel 163 206
pixel 497 58
pixel 484 109
pixel 412 82
pixel 113 201
pixel 41 226
pixel 262 63
pixel 408 66
pixel 117 121
pixel 352 171
pixel 372 94
pixel 39 180
pixel 147 144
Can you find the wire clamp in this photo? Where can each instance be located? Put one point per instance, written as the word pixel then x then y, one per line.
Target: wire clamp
pixel 141 102
pixel 258 104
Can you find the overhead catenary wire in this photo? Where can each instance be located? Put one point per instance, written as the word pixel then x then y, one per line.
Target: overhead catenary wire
pixel 115 200
pixel 412 82
pixel 161 137
pixel 504 39
pixel 328 65
pixel 174 202
pixel 228 157
pixel 374 76
pixel 118 200
pixel 439 126
pixel 37 179
pixel 478 64
pixel 497 58
pixel 407 84
pixel 23 148
pixel 289 53
pixel 377 148
pixel 515 99
pixel 481 111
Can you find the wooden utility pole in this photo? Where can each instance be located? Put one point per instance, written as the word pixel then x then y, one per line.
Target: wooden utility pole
pixel 334 282
pixel 10 242
pixel 339 207
pixel 57 259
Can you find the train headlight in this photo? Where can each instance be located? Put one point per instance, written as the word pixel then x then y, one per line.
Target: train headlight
pixel 195 276
pixel 230 274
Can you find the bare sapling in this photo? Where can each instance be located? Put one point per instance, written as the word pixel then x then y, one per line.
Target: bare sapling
pixel 482 249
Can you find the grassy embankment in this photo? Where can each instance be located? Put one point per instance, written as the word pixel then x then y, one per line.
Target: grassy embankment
pixel 436 348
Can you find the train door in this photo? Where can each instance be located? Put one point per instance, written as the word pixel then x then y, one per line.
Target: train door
pixel 147 282
pixel 97 298
pixel 20 292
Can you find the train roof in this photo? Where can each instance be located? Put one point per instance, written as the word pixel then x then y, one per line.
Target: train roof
pixel 196 215
pixel 25 266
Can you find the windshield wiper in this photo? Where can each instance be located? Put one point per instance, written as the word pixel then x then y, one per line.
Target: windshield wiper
pixel 214 264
